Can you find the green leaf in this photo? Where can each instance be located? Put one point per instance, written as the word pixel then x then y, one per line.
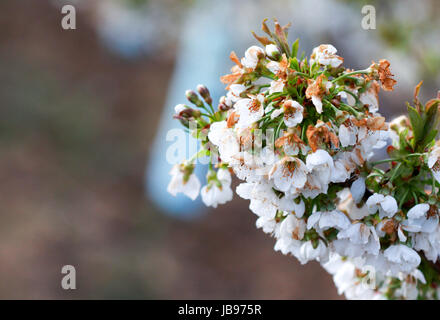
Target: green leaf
pixel 406 171
pixel 429 138
pixel 294 64
pixel 396 171
pixel 295 47
pixel 431 118
pixel 416 123
pixel 402 140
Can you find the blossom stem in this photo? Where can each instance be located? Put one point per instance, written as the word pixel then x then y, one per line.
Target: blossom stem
pixel 397 159
pixel 277 131
pixel 352 94
pixel 212 108
pixel 346 106
pixel 275 95
pixel 266 116
pixel 303 74
pixel 351 109
pixel 198 154
pixel 207 115
pixel 351 74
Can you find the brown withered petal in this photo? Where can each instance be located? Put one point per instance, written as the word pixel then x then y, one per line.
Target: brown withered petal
pixel 263 40
pixel 389 227
pixel 232 119
pixel 431 103
pixel 234 58
pixel 279 31
pixel 315 87
pixel 375 123
pixel 288 138
pixel 312 137
pixel 385 75
pixel 417 90
pixel 317 136
pixel 265 28
pixel 230 78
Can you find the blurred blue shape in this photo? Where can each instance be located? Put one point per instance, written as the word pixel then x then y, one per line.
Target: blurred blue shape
pixel 201 59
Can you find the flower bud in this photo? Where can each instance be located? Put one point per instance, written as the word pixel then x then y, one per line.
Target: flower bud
pixel 400 123
pixel 222 105
pixel 193 98
pixel 183 111
pixel 183 121
pixel 204 92
pixel 273 52
pixel 178 109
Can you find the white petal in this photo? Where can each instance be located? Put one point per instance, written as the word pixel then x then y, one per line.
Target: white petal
pixel 418 211
pixel 313 219
pixel 357 189
pixel 317 103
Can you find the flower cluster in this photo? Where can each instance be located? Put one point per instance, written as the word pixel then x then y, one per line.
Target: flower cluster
pixel 300 133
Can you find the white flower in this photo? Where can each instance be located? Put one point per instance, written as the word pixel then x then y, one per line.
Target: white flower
pixel 429 243
pixel 289 172
pixel 347 135
pixel 214 194
pixel 403 258
pixel 268 225
pixel 272 51
pixel 346 277
pixel 356 240
pixel 325 55
pixel 293 113
pixel 348 206
pixel 225 139
pixel 370 98
pixel 321 163
pixel 386 205
pixel 324 220
pixel 234 93
pixel 184 181
pixel 263 199
pixel 249 110
pixel 342 168
pixel 314 186
pixel 308 253
pixel 252 56
pixel 357 233
pixel 418 220
pixel 290 233
pixel 292 227
pixel 276 86
pixel 248 166
pixel 344 274
pixel 292 145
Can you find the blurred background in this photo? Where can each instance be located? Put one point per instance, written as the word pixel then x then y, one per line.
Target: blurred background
pixel 83 119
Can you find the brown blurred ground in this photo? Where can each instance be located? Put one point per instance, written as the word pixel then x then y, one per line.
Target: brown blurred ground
pixel 76 124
